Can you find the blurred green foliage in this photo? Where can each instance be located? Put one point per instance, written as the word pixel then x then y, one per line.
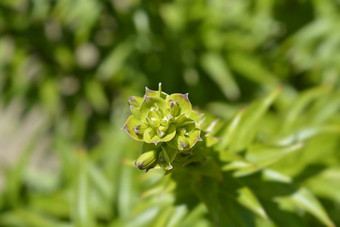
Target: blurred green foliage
pixel 67 69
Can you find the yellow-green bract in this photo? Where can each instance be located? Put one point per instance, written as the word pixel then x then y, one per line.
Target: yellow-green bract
pixel 165 121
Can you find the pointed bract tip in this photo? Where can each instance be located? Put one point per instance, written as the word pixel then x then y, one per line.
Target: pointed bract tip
pixel 160 133
pixel 183 145
pixel 186 96
pixel 124 127
pixel 147 91
pixel 199 139
pixel 135 129
pixel 139 166
pixel 131 107
pixel 131 99
pixel 173 103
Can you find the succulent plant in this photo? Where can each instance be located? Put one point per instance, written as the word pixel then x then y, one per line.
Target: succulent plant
pixel 167 124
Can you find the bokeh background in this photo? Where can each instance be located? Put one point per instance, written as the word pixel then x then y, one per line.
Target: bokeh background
pixel 67 69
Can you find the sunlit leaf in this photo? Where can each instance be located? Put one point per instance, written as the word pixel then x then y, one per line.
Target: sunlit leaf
pixel 305 200
pixel 247 198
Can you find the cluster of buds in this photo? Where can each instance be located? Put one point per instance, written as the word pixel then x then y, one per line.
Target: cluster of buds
pixel 165 123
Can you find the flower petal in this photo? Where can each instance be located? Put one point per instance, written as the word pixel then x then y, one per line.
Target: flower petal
pixel 174 109
pixel 135 101
pixel 134 128
pixel 182 101
pixel 152 136
pixel 151 102
pixel 186 141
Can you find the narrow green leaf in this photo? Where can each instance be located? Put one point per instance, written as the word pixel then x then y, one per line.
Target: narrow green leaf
pixel 82 214
pixel 246 129
pixel 115 60
pixel 259 157
pixel 247 198
pixel 306 133
pixel 305 200
pixel 100 182
pixel 217 69
pixel 250 67
pixel 163 217
pixel 210 199
pixel 263 155
pixel 96 95
pixel 326 184
pixel 23 217
pixel 228 136
pixel 297 107
pixel 177 216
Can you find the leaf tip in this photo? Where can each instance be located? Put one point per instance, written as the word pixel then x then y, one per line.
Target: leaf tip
pixel 124 127
pixel 139 165
pixel 186 97
pixel 131 100
pixel 183 145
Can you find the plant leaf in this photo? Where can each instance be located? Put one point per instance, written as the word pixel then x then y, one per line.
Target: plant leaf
pixel 305 200
pixel 248 199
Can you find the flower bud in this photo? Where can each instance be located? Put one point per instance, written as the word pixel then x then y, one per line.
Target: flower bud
pixel 148 159
pixel 174 109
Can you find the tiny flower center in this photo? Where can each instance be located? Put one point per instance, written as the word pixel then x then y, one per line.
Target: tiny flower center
pixel 182 131
pixel 153 118
pixel 155 122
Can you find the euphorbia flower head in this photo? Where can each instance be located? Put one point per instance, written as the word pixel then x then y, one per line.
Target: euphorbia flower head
pixel 167 121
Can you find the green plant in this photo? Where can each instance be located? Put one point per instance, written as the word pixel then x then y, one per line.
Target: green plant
pixel 240 168
pixel 68 67
pixel 167 125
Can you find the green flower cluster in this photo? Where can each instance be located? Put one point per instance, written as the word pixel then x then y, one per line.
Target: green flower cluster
pixel 166 123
